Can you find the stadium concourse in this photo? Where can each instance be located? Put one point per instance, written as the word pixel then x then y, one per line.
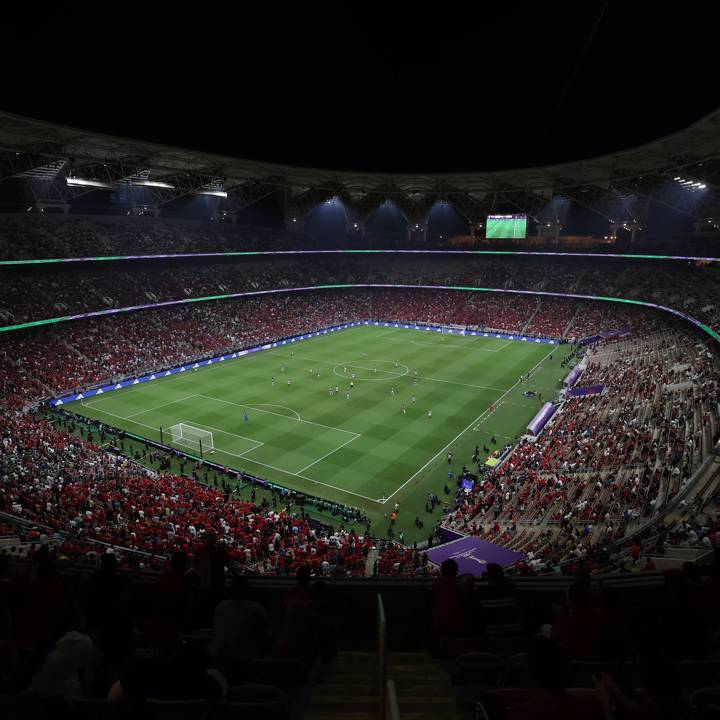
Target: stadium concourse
pixel 601 488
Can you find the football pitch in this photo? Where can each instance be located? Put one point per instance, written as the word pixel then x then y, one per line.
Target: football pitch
pixel 415 397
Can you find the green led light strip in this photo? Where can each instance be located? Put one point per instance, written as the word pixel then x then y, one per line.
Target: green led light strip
pixel 270 253
pixel 104 313
pixel 341 286
pixel 34 323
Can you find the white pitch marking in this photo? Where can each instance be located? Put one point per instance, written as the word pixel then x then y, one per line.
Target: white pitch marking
pixel 385 372
pixel 302 470
pixel 284 407
pixel 269 412
pixel 386 332
pixel 257 462
pixel 171 402
pixel 420 377
pixel 226 432
pixel 462 432
pixel 445 346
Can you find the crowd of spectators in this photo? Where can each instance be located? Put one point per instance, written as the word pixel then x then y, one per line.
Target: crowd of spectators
pixel 81 353
pixel 607 462
pixel 83 495
pixel 37 292
pixel 31 236
pixel 603 463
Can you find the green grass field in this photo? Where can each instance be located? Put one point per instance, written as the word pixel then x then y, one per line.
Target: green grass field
pixel 363 451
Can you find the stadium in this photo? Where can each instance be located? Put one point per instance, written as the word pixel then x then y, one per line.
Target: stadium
pixel 291 441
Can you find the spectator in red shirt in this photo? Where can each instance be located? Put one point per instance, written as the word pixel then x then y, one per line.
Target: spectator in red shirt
pixel 174 591
pixel 450 602
pixel 211 561
pixel 300 594
pixel 579 632
pixel 649 564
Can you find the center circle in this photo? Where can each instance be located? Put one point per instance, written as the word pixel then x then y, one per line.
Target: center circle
pixel 371 370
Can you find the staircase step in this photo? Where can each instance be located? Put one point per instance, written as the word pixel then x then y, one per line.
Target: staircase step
pixel 431 668
pixel 421 688
pixel 353 659
pixel 407 701
pixel 433 715
pixel 342 676
pixel 366 698
pixel 325 689
pixel 342 713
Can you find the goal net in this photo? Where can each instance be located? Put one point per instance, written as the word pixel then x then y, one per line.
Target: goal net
pixel 192 437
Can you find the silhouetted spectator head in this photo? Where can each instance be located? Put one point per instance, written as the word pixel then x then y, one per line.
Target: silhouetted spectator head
pixel 320 591
pixel 449 568
pixel 239 586
pixel 46 569
pixel 677 585
pixel 108 562
pixel 582 576
pixel 578 597
pixel 693 572
pixel 547 664
pixel 304 575
pixel 179 562
pixel 209 539
pixel 494 574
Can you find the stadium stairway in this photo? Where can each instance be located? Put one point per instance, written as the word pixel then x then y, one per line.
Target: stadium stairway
pixel 370 562
pixel 74 350
pixel 531 318
pixel 345 689
pixel 566 331
pixel 424 691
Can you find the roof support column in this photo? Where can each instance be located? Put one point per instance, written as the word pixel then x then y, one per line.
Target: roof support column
pixel 477 231
pixel 550 230
pixel 417 232
pixel 632 228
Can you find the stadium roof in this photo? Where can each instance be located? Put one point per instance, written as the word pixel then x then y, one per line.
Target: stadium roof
pixel 33 148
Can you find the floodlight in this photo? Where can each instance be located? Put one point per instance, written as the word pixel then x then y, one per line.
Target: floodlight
pixel 83 182
pixel 154 183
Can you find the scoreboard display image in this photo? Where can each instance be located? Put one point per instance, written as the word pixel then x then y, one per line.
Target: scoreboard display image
pixel 506 226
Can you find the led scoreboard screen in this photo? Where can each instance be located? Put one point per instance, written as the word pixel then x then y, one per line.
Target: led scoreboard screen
pixel 506 226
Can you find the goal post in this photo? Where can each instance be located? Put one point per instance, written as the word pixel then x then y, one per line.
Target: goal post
pixel 190 436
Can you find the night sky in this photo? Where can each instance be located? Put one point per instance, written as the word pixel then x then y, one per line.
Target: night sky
pixel 352 87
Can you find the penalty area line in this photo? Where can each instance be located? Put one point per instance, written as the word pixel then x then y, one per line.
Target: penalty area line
pixel 243 456
pixel 347 442
pixel 269 412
